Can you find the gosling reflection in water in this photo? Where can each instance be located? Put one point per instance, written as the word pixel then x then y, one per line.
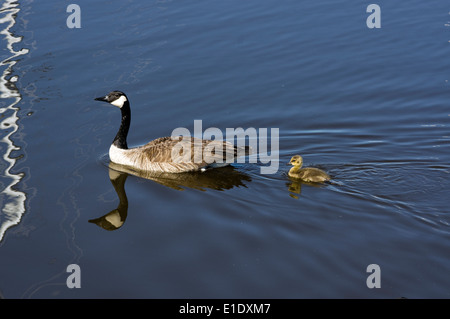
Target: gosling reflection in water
pixel 295 187
pixel 218 179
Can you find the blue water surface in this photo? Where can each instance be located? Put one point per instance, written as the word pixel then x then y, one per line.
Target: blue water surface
pixel 369 106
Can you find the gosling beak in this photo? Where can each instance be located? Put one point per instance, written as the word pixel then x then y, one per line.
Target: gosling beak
pixel 102 98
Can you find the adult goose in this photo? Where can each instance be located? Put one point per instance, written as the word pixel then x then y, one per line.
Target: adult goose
pixel 172 154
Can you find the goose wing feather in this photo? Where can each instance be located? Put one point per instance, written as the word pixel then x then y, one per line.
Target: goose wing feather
pixel 312 174
pixel 178 154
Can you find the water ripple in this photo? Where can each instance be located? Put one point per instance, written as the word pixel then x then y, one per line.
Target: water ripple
pixel 13 200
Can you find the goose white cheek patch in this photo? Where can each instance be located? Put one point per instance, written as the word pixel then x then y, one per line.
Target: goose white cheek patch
pixel 119 102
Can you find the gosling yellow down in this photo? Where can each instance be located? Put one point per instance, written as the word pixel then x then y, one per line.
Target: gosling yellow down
pixel 308 174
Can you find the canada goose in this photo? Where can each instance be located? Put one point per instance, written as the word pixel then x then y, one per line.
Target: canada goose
pixel 172 154
pixel 309 174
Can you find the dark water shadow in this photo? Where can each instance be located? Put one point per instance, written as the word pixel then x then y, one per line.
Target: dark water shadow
pixel 219 179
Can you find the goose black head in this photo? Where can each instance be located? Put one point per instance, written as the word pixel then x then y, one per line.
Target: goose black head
pixel 116 98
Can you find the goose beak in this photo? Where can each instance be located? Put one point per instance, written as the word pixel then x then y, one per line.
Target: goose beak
pixel 102 98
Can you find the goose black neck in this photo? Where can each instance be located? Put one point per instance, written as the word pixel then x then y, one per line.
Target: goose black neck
pixel 120 140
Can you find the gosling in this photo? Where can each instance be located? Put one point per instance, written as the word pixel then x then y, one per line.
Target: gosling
pixel 309 174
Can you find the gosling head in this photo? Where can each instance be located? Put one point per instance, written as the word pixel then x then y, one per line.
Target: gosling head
pixel 115 98
pixel 296 160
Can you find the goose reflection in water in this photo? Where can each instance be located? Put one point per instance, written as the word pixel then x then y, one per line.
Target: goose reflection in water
pixel 115 218
pixel 220 179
